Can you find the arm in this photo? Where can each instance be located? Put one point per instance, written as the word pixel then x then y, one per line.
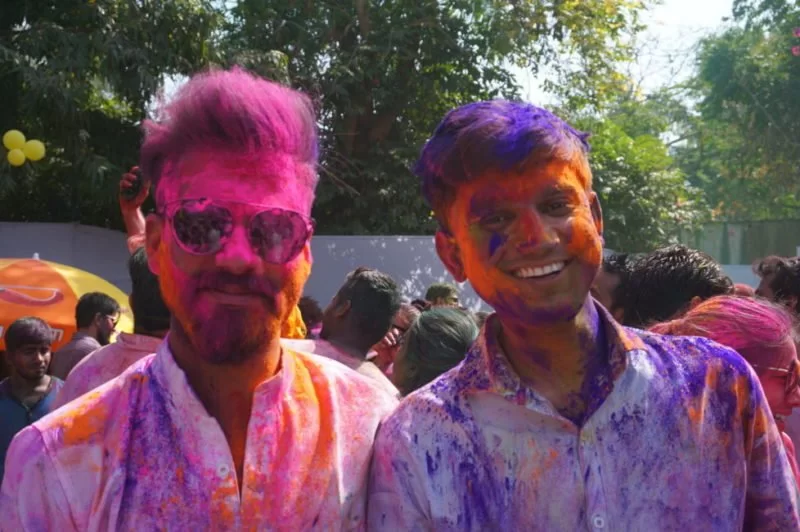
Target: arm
pixel 32 497
pixel 772 499
pixel 131 209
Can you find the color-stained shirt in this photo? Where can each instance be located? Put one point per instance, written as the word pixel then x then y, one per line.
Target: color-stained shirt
pixel 104 364
pixel 66 358
pixel 684 441
pixel 328 350
pixel 15 416
pixel 142 453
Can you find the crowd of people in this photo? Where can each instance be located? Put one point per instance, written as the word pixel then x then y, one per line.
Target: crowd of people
pixel 625 392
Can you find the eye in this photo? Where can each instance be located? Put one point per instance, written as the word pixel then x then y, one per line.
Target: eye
pixel 557 207
pixel 496 220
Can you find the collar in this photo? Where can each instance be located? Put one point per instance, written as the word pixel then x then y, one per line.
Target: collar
pixel 173 380
pixel 138 342
pixel 486 367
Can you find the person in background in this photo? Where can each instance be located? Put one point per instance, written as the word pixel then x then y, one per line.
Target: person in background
pixel 442 295
pixel 743 290
pixel 133 191
pixel 480 317
pixel 436 342
pixel 780 281
pixel 96 318
pixel 559 418
pixel 669 281
pixel 223 429
pixel 763 333
pixel 28 394
pixel 611 284
pixel 150 321
pixel 384 352
pixel 358 316
pixel 312 315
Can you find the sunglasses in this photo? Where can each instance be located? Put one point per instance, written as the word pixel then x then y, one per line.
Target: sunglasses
pixel 792 375
pixel 202 227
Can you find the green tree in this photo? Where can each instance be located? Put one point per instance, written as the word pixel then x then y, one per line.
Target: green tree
pixel 744 146
pixel 79 75
pixel 384 73
pixel 646 200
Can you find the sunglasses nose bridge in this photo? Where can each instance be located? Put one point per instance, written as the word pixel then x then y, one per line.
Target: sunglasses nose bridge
pixel 237 253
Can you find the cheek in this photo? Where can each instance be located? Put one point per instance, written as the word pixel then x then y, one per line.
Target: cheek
pixel 583 241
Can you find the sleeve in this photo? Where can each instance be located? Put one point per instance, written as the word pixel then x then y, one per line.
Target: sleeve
pixel 396 489
pixel 31 497
pixel 772 499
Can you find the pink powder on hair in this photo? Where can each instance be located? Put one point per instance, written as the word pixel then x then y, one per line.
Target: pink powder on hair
pixel 234 111
pixel 756 329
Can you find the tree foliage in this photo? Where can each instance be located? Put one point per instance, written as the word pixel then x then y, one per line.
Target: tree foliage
pixel 383 74
pixel 744 146
pixel 80 75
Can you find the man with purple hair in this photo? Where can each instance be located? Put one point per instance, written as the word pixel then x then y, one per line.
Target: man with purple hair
pixel 559 418
pixel 220 429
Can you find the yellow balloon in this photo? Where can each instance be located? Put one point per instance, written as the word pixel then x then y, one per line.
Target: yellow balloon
pixel 34 150
pixel 13 139
pixel 16 157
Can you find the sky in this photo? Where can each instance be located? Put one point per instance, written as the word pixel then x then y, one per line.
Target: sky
pixel 673 28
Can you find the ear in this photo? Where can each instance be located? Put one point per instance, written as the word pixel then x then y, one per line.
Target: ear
pixel 619 315
pixel 450 255
pixel 341 309
pixel 154 227
pixel 694 302
pixel 791 302
pixel 597 212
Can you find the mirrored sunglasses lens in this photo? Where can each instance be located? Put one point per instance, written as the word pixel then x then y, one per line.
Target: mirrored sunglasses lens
pixel 201 229
pixel 278 235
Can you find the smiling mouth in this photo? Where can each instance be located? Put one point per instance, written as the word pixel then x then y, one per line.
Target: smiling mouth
pixel 539 271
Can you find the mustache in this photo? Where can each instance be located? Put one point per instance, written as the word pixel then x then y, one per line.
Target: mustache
pixel 222 280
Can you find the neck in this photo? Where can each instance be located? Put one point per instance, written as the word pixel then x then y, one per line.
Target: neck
pixel 22 387
pixel 348 346
pixel 224 387
pixel 561 354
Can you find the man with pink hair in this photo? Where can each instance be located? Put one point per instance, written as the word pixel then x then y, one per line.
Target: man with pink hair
pixel 221 429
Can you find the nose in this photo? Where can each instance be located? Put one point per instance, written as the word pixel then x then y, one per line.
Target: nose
pixel 532 232
pixel 237 255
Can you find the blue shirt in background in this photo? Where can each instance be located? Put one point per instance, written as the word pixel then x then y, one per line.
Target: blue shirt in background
pixel 14 416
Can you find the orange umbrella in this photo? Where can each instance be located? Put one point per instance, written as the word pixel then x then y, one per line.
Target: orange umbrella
pixel 48 290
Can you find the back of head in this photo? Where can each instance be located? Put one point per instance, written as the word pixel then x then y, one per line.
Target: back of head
pixel 619 265
pixel 435 343
pixel 757 329
pixel 237 112
pixel 496 135
pixel 439 293
pixel 150 314
pixel 311 312
pixel 663 283
pixel 28 331
pixel 784 278
pixel 374 300
pixel 92 304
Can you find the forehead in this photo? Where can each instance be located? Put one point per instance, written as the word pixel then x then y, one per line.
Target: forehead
pixel 493 186
pixel 270 180
pixel 34 346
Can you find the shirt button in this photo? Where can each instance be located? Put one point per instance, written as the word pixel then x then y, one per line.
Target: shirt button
pixel 598 521
pixel 223 470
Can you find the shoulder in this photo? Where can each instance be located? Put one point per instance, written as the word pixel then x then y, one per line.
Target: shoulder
pixel 86 419
pixel 435 408
pixel 693 353
pixel 332 377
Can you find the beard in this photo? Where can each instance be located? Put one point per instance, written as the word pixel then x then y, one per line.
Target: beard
pixel 103 337
pixel 231 335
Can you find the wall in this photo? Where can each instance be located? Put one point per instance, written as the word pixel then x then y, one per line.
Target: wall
pixel 411 260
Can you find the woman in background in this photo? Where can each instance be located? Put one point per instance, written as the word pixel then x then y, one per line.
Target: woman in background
pixel 435 343
pixel 763 334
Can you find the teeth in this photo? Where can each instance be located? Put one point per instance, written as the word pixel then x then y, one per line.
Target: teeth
pixel 524 273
